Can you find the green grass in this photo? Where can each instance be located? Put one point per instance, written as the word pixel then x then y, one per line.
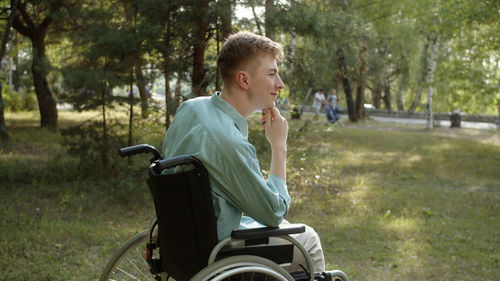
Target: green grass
pixel 390 201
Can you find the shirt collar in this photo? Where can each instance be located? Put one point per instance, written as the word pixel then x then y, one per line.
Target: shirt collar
pixel 239 121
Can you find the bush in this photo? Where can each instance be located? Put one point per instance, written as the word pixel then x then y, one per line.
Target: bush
pixel 97 155
pixel 18 101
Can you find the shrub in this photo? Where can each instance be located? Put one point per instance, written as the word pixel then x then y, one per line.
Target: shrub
pixel 18 101
pixel 96 153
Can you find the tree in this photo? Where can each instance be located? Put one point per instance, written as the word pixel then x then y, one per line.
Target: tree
pixel 167 22
pixel 360 88
pixel 4 135
pixel 104 56
pixel 422 76
pixel 200 12
pixel 270 19
pixel 131 11
pixel 225 12
pixel 342 74
pixel 430 80
pixel 33 19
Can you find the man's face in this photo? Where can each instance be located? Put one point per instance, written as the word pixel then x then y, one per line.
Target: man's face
pixel 264 82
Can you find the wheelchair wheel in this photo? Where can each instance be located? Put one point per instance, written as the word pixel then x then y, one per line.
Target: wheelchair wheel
pixel 242 268
pixel 129 263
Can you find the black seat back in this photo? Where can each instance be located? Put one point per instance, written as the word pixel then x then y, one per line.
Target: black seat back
pixel 187 230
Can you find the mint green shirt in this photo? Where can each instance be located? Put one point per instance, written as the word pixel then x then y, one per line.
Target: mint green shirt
pixel 214 132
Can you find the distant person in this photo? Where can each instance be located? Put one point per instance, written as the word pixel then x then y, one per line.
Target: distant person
pixel 319 100
pixel 332 108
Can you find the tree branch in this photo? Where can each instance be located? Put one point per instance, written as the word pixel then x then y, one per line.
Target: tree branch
pixel 20 27
pixel 22 9
pixel 45 24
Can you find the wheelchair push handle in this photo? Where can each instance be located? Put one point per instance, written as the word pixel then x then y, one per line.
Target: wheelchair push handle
pixel 178 161
pixel 138 149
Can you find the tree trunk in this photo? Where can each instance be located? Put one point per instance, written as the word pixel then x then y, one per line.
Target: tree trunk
pixel 431 66
pixel 168 100
pixel 131 18
pixel 200 13
pixel 217 73
pixel 16 81
pixel 360 89
pixel 402 86
pixel 347 86
pixel 167 65
pixel 104 146
pixel 168 93
pixel 421 82
pixel 226 20
pixel 141 84
pixel 255 17
pixel 177 92
pixel 225 28
pixel 387 97
pixel 377 96
pixel 4 135
pixel 420 90
pixel 130 113
pixel 46 101
pixel 269 19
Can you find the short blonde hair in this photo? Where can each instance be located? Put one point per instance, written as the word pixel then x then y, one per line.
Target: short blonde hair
pixel 242 47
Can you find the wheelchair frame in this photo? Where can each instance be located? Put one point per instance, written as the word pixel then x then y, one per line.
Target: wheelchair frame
pixel 137 259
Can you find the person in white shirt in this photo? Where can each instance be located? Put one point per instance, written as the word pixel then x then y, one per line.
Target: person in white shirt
pixel 319 99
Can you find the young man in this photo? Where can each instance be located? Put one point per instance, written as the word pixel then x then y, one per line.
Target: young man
pixel 214 130
pixel 319 100
pixel 333 107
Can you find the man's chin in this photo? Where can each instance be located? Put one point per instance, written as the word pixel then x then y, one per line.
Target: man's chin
pixel 270 107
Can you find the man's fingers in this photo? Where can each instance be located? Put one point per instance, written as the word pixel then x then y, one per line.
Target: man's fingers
pixel 268 116
pixel 275 112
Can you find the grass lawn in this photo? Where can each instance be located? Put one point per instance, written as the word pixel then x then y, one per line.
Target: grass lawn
pixel 390 201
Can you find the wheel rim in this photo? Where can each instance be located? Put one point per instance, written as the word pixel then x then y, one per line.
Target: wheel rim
pixel 243 268
pixel 129 263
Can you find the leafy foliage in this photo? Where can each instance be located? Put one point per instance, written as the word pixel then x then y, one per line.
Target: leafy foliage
pixel 18 101
pixel 86 142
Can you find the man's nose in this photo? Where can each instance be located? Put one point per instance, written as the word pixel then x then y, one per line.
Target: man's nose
pixel 280 84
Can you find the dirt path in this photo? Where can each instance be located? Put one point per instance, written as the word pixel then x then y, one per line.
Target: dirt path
pixel 484 136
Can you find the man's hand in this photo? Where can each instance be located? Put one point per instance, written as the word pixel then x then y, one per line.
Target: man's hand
pixel 276 128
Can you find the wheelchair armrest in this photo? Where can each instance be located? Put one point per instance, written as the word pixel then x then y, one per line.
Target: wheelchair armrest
pixel 266 232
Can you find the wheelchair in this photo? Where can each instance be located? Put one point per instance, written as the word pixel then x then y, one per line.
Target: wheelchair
pixel 181 242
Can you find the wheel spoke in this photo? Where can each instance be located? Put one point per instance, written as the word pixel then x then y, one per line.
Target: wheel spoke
pixel 126 273
pixel 141 257
pixel 138 269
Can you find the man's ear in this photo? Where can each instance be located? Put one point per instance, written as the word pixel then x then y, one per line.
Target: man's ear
pixel 242 78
